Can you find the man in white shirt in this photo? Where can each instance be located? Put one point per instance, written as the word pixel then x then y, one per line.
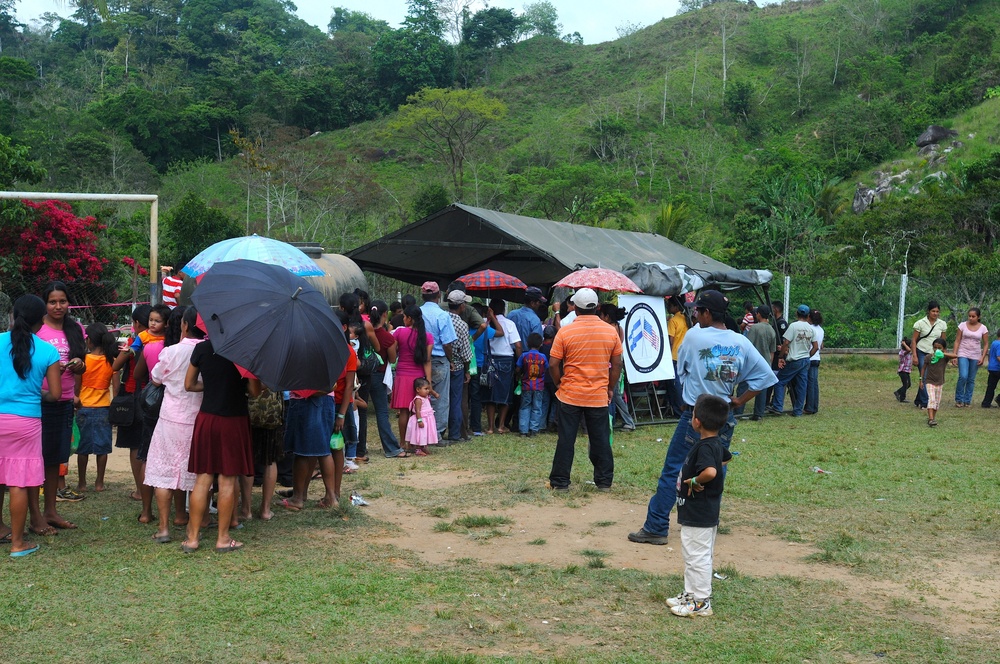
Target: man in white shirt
pixel 793 363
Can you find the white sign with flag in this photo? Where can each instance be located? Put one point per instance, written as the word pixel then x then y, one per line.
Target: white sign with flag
pixel 647 348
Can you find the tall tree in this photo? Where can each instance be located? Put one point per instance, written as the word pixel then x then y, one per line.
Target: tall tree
pixel 448 122
pixel 541 19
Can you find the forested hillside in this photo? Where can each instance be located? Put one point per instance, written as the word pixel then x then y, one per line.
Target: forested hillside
pixel 741 131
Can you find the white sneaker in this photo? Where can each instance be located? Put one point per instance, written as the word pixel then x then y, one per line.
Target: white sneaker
pixel 693 609
pixel 681 599
pixel 350 465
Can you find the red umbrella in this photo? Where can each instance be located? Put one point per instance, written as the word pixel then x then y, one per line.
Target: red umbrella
pixel 599 278
pixel 495 284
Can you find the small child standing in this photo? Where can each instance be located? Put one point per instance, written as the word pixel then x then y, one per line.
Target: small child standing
pixel 93 392
pixel 994 368
pixel 905 367
pixel 699 498
pixel 421 429
pixel 932 378
pixel 533 366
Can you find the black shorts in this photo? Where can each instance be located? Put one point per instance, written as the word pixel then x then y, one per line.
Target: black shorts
pixel 57 432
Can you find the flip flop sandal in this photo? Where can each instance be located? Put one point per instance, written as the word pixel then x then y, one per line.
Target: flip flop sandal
pixel 162 539
pixel 233 546
pixel 288 506
pixel 6 539
pixel 65 525
pixel 44 532
pixel 186 548
pixel 26 552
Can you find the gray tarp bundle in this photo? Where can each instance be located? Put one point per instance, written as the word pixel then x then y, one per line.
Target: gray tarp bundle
pixel 664 280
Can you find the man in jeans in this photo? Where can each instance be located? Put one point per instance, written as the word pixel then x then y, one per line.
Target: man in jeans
pixel 438 324
pixel 586 362
pixel 793 362
pixel 712 360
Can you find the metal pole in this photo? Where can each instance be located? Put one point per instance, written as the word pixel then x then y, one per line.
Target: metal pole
pixel 155 296
pixel 903 281
pixel 788 297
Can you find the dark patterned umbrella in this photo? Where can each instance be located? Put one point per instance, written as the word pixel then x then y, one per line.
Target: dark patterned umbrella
pixel 490 283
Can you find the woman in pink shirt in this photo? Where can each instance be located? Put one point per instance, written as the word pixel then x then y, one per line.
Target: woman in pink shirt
pixel 67 335
pixel 971 346
pixel 170 447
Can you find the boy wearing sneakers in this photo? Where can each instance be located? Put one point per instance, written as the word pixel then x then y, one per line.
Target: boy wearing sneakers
pixel 699 497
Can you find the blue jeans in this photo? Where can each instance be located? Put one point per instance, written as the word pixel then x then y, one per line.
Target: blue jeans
pixel 619 407
pixel 380 403
pixel 531 415
pixel 967 369
pixel 441 382
pixel 456 386
pixel 350 431
pixel 796 372
pixel 684 438
pixel 599 434
pixel 921 398
pixel 812 387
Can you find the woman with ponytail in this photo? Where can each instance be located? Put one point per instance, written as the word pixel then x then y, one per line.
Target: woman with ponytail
pixel 414 361
pixel 66 335
pixel 93 391
pixel 25 362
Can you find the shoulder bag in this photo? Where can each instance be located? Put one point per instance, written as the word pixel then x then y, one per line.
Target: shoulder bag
pixel 123 407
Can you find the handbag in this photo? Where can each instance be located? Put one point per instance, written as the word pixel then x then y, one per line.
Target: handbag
pixel 267 411
pixel 151 398
pixel 489 374
pixel 368 362
pixel 123 407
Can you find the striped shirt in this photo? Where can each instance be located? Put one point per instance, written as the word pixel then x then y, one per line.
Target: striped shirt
pixel 585 349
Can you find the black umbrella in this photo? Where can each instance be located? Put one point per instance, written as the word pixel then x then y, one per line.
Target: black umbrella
pixel 273 323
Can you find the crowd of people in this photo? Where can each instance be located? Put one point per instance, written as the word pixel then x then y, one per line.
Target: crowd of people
pixel 202 428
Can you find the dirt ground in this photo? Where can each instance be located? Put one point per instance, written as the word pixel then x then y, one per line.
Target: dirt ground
pixel 955 588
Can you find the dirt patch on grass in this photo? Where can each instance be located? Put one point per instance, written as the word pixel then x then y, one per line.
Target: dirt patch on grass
pixel 440 479
pixel 579 529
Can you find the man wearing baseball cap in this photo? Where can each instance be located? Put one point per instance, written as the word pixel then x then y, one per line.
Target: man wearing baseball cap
pixel 798 345
pixel 585 364
pixel 712 360
pixel 438 323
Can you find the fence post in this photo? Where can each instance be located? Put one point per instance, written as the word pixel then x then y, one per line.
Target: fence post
pixel 903 281
pixel 788 296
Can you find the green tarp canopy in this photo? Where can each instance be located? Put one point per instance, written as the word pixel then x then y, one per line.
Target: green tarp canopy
pixel 461 239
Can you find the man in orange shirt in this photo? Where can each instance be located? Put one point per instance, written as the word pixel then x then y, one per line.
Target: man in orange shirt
pixel 585 364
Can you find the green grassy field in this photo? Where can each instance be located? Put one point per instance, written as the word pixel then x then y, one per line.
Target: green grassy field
pixel 897 548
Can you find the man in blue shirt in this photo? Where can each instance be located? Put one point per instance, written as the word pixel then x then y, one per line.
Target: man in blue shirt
pixel 529 318
pixel 438 324
pixel 712 360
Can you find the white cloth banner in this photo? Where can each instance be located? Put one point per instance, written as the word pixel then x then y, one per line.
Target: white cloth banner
pixel 646 347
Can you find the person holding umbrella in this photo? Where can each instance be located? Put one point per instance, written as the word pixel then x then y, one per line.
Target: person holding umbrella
pixel 221 442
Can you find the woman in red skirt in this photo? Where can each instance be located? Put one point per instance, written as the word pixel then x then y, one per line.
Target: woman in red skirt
pixel 221 442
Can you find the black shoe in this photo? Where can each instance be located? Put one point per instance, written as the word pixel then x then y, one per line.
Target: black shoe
pixel 642 537
pixel 756 418
pixel 604 489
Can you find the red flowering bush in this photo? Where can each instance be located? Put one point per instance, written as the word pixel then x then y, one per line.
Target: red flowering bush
pixel 53 243
pixel 132 265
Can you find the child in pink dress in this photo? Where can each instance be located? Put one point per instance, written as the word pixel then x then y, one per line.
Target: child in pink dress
pixel 421 429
